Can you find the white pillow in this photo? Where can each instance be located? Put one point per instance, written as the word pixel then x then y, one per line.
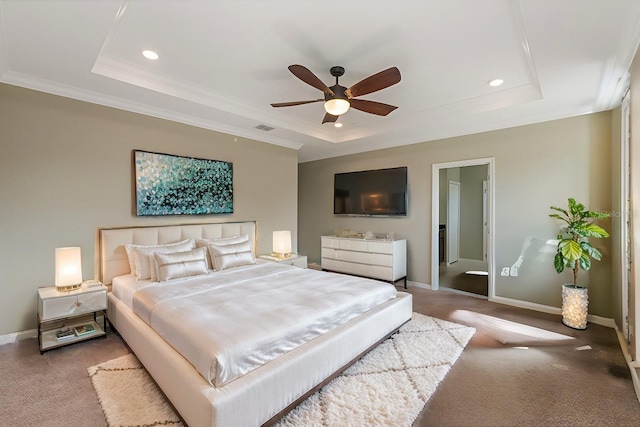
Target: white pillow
pixel 144 268
pixel 181 264
pixel 220 241
pixel 233 255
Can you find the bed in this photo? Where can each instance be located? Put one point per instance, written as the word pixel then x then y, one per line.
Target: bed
pixel 252 381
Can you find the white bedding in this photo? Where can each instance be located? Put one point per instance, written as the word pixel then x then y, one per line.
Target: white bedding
pixel 123 287
pixel 225 323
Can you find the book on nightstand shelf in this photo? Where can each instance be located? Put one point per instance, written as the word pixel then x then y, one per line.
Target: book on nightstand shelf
pixel 64 334
pixel 84 329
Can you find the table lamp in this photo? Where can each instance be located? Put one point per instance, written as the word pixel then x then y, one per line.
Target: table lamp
pixel 68 268
pixel 282 244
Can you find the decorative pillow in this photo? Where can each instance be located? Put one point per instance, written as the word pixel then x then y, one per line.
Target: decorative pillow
pixel 220 241
pixel 144 262
pixel 181 264
pixel 233 255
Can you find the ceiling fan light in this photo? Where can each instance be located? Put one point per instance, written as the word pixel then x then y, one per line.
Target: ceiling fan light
pixel 336 106
pixel 149 54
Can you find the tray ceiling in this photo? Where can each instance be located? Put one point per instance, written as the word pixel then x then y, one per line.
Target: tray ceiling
pixel 222 63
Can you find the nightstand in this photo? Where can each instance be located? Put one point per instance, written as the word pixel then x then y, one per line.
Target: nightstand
pixel 59 310
pixel 295 260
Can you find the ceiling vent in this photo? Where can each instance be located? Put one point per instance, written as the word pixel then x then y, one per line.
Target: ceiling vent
pixel 264 128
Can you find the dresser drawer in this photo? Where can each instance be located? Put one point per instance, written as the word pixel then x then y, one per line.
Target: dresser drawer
pixel 353 245
pixel 380 247
pixel 72 305
pixel 385 260
pixel 328 242
pixel 373 271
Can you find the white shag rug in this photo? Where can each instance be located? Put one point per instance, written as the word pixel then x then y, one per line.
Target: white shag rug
pixel 387 387
pixel 128 395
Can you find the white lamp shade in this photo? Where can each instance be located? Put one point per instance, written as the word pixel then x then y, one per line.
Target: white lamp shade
pixel 68 266
pixel 336 106
pixel 282 242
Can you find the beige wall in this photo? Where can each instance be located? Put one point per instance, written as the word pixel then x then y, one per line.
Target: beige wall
pixel 66 169
pixel 536 166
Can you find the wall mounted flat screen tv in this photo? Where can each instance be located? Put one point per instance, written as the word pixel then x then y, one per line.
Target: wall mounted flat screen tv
pixel 380 192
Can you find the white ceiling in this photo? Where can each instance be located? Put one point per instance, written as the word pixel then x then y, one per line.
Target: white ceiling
pixel 222 63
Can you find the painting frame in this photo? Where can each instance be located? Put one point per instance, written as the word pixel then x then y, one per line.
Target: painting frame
pixel 169 184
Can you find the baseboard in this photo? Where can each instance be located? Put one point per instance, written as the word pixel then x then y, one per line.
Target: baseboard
pixel 18 336
pixel 634 366
pixel 418 284
pixel 526 304
pixel 465 293
pixel 635 376
pixel 598 320
pixel 602 321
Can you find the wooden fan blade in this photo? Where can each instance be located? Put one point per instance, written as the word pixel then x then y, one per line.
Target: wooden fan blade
pixel 291 104
pixel 372 107
pixel 329 118
pixel 304 74
pixel 379 81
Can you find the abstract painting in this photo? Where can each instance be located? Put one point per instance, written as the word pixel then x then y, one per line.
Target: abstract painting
pixel 174 185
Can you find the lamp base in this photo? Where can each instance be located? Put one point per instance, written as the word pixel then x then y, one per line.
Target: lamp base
pixel 280 256
pixel 68 288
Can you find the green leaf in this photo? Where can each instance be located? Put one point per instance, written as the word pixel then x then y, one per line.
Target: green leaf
pixel 576 209
pixel 591 214
pixel 558 262
pixel 559 217
pixel 591 251
pixel 593 230
pixel 585 262
pixel 560 210
pixel 570 249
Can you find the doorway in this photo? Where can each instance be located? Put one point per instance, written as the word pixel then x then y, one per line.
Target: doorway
pixel 462 212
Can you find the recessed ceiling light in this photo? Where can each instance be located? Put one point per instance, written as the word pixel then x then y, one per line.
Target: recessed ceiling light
pixel 495 82
pixel 338 125
pixel 149 54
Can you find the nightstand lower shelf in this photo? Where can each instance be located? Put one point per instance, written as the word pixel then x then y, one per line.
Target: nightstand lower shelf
pixel 48 340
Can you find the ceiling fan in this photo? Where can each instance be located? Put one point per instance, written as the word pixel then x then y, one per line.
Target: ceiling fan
pixel 338 99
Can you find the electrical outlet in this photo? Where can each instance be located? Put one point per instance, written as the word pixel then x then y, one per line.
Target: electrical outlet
pixel 505 271
pixel 514 271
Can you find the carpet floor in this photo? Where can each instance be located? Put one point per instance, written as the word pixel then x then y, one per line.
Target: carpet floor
pixel 496 381
pixel 387 387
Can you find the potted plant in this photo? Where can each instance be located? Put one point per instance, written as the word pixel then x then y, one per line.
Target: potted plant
pixel 575 252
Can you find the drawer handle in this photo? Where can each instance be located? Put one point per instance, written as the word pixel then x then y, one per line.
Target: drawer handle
pixel 78 303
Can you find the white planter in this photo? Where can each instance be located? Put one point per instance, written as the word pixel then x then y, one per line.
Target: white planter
pixel 575 302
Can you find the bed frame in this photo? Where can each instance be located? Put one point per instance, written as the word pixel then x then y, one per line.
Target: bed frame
pixel 264 394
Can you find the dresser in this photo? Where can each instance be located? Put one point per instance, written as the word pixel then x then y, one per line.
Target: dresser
pixel 375 258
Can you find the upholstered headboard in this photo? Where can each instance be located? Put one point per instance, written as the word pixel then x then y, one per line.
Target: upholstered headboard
pixel 113 257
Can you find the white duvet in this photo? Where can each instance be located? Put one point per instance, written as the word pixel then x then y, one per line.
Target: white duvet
pixel 231 322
